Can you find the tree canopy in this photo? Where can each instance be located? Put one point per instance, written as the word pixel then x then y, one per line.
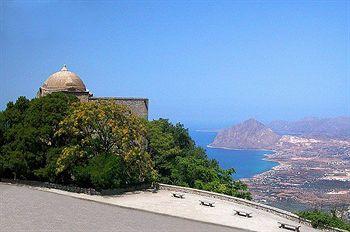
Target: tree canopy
pixel 103 128
pixel 103 145
pixel 27 133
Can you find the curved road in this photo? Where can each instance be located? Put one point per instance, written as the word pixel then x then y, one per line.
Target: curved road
pixel 26 209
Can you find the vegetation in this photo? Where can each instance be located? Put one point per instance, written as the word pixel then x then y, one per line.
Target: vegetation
pixel 27 131
pixel 178 161
pixel 320 219
pixel 102 145
pixel 106 146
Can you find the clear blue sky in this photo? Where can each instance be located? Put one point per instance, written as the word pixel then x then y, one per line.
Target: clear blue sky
pixel 205 64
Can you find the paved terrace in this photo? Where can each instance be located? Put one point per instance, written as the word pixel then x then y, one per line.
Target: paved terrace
pixel 189 208
pixel 27 209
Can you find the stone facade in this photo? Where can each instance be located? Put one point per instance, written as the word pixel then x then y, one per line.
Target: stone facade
pixel 83 96
pixel 138 106
pixel 69 82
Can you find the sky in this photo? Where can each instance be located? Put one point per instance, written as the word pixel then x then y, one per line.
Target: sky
pixel 206 64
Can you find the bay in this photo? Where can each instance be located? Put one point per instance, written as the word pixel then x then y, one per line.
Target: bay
pixel 246 163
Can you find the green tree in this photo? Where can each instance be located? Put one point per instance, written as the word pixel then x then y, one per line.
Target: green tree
pixel 104 128
pixel 27 134
pixel 103 145
pixel 179 161
pixel 102 172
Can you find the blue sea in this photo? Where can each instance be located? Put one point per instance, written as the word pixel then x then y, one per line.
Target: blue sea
pixel 247 163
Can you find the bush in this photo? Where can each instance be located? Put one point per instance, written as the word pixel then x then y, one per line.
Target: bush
pixel 321 219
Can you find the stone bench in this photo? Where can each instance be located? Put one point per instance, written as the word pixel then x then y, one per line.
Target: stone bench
pixel 242 213
pixel 289 227
pixel 207 203
pixel 178 195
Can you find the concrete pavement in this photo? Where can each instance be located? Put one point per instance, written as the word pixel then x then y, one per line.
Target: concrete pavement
pixel 222 214
pixel 28 209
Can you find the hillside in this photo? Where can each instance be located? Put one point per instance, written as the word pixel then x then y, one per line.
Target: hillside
pixel 338 127
pixel 250 134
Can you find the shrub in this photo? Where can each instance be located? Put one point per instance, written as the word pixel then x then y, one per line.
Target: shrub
pixel 321 219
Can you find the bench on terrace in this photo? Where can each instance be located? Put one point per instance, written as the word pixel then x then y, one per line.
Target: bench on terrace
pixel 242 213
pixel 289 227
pixel 178 195
pixel 207 203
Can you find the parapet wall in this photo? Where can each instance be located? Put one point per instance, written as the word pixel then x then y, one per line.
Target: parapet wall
pixel 241 201
pixel 138 106
pixel 75 189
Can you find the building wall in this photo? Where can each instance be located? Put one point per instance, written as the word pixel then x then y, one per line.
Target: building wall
pixel 138 106
pixel 83 96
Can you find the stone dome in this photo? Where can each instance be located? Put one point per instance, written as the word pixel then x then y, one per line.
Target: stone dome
pixel 64 80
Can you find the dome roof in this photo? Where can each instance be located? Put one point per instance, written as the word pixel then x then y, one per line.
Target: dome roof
pixel 64 80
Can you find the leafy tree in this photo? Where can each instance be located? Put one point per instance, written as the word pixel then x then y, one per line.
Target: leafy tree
pixel 104 128
pixel 102 172
pixel 321 219
pixel 15 163
pixel 163 147
pixel 9 119
pixel 103 145
pixel 178 161
pixel 27 131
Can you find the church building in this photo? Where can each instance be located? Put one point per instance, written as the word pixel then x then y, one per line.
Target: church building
pixel 69 82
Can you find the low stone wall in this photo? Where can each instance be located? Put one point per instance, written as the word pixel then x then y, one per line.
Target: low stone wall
pixel 241 201
pixel 68 188
pixel 75 189
pixel 124 190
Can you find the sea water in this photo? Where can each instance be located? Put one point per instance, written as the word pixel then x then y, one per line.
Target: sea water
pixel 246 163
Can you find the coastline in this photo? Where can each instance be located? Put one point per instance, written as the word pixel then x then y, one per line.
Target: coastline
pixel 239 149
pixel 274 168
pixel 265 158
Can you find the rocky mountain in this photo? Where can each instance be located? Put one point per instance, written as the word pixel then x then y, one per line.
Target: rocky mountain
pixel 338 127
pixel 250 134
